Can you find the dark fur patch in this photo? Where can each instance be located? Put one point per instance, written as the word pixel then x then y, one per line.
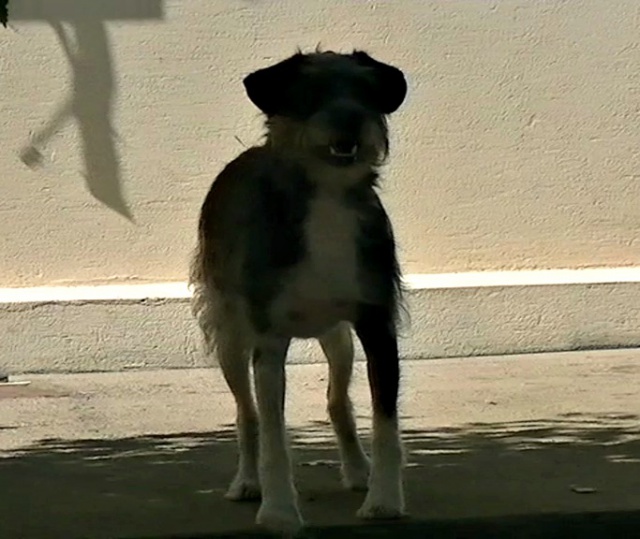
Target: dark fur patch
pixel 379 269
pixel 275 237
pixel 376 332
pixel 304 83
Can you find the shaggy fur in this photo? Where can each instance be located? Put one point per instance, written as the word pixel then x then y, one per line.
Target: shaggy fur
pixel 294 242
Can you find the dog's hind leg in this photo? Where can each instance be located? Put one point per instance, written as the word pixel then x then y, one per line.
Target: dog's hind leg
pixel 233 355
pixel 279 508
pixel 337 345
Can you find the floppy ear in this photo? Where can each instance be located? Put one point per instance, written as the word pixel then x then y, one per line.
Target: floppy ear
pixel 391 86
pixel 268 88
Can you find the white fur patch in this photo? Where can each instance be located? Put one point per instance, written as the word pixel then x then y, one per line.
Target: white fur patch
pixel 323 288
pixel 385 498
pixel 330 270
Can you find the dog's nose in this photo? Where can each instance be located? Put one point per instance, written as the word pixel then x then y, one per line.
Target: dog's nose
pixel 346 119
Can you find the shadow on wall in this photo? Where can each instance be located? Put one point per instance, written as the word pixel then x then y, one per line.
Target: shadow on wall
pixel 577 476
pixel 93 91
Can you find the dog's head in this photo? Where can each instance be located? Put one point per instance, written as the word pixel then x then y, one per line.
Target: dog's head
pixel 329 106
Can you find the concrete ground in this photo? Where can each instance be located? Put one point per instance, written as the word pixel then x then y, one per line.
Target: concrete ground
pixel 530 446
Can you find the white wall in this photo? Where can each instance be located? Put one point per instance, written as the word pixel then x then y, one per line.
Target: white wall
pixel 517 148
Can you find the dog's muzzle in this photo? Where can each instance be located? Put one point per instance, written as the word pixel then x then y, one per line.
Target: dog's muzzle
pixel 342 124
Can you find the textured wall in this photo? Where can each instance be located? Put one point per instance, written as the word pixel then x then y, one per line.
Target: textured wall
pixel 454 322
pixel 518 146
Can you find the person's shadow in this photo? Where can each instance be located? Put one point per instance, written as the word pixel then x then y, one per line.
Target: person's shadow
pixel 90 105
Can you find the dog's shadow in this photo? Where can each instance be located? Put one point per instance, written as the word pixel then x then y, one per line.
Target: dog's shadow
pixel 172 485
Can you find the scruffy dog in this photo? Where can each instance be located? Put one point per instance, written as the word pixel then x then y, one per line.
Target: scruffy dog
pixel 294 243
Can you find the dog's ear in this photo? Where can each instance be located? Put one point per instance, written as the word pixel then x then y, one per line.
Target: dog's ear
pixel 391 86
pixel 268 88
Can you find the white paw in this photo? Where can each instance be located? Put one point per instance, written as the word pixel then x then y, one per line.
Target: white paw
pixel 356 477
pixel 382 505
pixel 284 519
pixel 243 488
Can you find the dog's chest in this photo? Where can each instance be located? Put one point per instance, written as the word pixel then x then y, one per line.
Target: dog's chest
pixel 323 287
pixel 329 268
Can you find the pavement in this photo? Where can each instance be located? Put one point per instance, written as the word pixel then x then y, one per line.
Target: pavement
pixel 530 446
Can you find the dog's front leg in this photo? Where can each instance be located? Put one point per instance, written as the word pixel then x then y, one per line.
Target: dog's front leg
pixel 279 508
pixel 337 345
pixel 375 329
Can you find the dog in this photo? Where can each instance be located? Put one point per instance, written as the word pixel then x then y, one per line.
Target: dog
pixel 294 242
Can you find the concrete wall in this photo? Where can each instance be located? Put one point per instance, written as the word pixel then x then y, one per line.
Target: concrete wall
pixel 517 148
pixel 152 327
